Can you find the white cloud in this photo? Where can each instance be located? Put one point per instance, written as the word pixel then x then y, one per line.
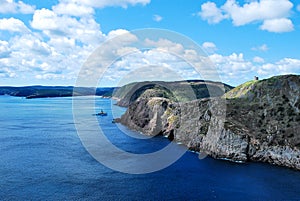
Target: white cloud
pixel 121 38
pixel 266 69
pixel 28 55
pixel 236 67
pixel 63 44
pixel 13 25
pixel 67 34
pixel 7 73
pixel 262 48
pixel 157 18
pixel 288 65
pixel 232 67
pixel 153 64
pixel 209 47
pixel 70 33
pixel 122 32
pixel 73 9
pixel 85 30
pixel 257 10
pixel 28 43
pixel 283 66
pixel 166 45
pixel 45 19
pixel 273 14
pixel 10 6
pixel 258 60
pixel 231 64
pixel 211 13
pixel 278 25
pixel 108 3
pixel 4 49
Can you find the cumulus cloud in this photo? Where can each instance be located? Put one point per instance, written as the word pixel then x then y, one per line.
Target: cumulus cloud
pixel 232 63
pixel 278 25
pixel 273 14
pixel 289 65
pixel 7 73
pixel 4 49
pixel 13 25
pixel 59 40
pixel 257 10
pixel 125 35
pixel 68 33
pixel 28 55
pixel 209 47
pixel 166 45
pixel 235 66
pixel 85 29
pixel 153 64
pixel 10 6
pixel 157 18
pixel 45 19
pixel 211 13
pixel 73 9
pixel 63 43
pixel 232 67
pixel 71 40
pixel 28 43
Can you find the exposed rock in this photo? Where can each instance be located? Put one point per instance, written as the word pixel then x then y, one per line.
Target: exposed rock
pixel 146 115
pixel 257 121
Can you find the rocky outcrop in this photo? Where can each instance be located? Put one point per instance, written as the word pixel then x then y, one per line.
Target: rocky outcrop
pixel 177 91
pixel 257 121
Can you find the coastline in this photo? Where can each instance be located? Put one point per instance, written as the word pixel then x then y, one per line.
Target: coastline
pixel 261 125
pixel 226 145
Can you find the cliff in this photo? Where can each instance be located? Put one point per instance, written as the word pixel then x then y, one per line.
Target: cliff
pixel 256 121
pixel 177 91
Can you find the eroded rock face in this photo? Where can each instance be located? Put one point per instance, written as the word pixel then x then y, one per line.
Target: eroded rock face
pixel 146 115
pixel 262 125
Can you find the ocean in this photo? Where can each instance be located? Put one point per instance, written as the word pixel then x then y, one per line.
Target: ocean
pixel 42 158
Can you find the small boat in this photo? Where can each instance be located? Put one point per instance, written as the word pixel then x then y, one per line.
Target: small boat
pixel 101 113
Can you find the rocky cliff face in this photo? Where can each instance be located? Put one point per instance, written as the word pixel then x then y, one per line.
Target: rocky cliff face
pixel 258 121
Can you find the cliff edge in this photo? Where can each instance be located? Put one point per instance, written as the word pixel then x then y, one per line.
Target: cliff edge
pixel 256 121
pixel 177 91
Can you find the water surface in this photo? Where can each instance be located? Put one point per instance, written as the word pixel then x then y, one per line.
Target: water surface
pixel 42 158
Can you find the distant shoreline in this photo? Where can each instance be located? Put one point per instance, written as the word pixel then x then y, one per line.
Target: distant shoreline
pixel 32 92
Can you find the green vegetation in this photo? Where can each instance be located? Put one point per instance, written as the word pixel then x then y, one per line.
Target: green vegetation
pixel 241 90
pixel 178 91
pixel 267 107
pixel 173 120
pixel 58 91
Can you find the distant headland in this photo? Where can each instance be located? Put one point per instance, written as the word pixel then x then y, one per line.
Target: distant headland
pixel 31 92
pixel 261 120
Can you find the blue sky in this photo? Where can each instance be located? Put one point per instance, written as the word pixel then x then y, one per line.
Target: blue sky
pixel 47 42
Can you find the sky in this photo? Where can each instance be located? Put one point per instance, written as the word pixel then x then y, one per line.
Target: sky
pixel 48 42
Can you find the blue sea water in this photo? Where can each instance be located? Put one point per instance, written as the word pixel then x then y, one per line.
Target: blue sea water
pixel 42 158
